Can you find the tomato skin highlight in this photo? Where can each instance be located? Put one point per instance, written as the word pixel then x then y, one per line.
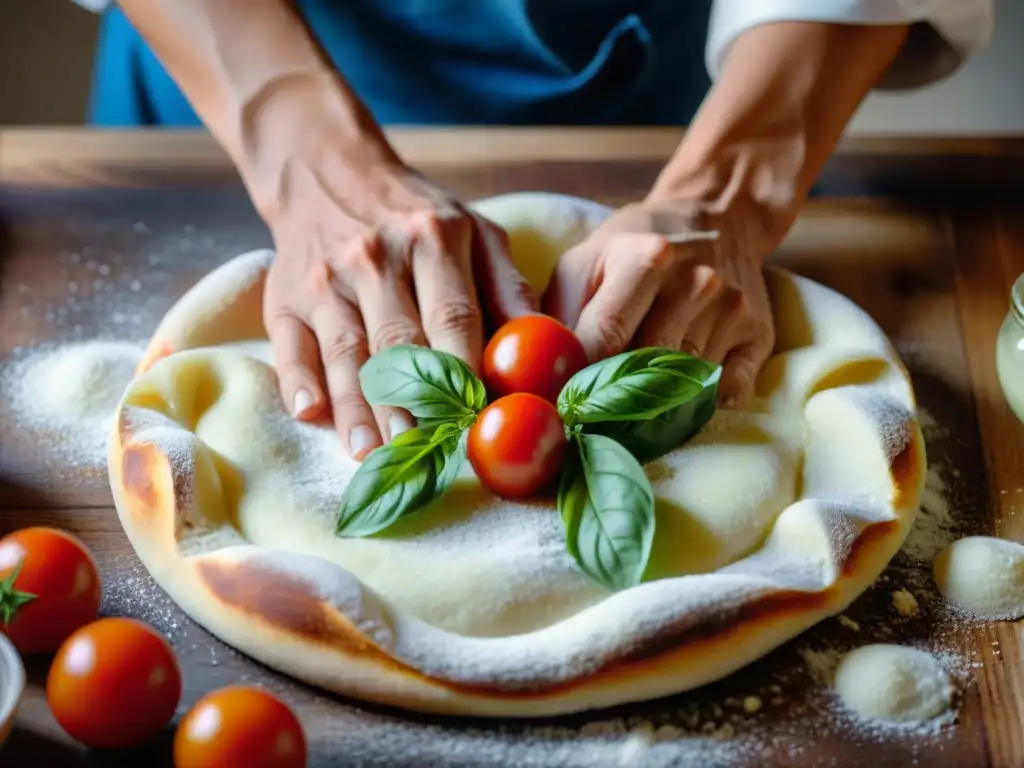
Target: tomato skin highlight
pixel 517 445
pixel 240 726
pixel 114 684
pixel 61 573
pixel 532 353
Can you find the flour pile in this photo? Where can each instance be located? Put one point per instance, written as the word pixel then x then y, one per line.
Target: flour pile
pixel 65 396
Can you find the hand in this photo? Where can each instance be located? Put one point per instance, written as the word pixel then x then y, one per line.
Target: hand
pixel 664 272
pixel 370 254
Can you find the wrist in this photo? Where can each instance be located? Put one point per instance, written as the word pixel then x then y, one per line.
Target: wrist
pixel 743 189
pixel 305 121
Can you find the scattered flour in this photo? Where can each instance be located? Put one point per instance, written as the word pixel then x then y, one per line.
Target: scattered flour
pixel 65 396
pixel 50 396
pixel 933 526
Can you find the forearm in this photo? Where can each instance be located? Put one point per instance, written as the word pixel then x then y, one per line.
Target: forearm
pixel 257 79
pixel 769 124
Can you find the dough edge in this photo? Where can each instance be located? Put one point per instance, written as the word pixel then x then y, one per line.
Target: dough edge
pixel 345 657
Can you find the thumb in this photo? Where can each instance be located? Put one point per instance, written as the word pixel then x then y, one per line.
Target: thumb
pixel 504 292
pixel 570 286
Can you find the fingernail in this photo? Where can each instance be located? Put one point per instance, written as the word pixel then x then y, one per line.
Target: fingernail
pixel 303 402
pixel 397 425
pixel 360 440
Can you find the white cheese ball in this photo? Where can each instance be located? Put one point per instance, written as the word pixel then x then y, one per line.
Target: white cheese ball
pixel 984 576
pixel 893 683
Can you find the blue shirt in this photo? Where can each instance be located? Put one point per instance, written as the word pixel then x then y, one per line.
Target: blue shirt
pixel 464 62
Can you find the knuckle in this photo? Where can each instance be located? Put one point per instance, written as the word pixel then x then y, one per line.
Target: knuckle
pixel 612 333
pixel 366 253
pixel 343 346
pixel 656 253
pixel 707 282
pixel 443 224
pixel 453 315
pixel 347 401
pixel 737 305
pixel 394 331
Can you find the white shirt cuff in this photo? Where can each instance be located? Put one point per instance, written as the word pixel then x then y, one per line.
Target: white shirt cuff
pixel 946 32
pixel 96 6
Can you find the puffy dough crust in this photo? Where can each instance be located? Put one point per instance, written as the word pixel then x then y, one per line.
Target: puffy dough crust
pixel 834 371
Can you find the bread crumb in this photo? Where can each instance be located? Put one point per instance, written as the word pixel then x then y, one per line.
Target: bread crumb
pixel 849 623
pixel 752 705
pixel 905 603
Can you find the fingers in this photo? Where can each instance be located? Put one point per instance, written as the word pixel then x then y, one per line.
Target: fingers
pixel 685 296
pixel 503 290
pixel 443 276
pixel 572 284
pixel 740 370
pixel 343 349
pixel 632 276
pixel 297 360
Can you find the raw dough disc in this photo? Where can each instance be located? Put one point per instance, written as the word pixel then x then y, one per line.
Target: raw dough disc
pixel 769 521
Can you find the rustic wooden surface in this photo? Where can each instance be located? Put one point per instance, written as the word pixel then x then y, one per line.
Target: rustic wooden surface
pixel 934 268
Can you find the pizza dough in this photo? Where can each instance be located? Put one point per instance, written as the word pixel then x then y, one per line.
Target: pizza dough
pixel 769 521
pixel 893 682
pixel 984 576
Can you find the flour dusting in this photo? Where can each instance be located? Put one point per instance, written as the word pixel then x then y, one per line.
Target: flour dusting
pixel 65 395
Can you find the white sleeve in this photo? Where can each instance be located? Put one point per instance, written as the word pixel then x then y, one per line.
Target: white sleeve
pixel 943 35
pixel 96 6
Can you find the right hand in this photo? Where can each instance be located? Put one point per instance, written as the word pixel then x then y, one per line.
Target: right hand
pixel 371 254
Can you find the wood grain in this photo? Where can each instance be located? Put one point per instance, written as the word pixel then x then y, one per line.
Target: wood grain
pixel 162 210
pixel 990 240
pixel 924 165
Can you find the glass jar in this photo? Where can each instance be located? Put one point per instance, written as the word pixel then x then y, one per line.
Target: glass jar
pixel 1010 351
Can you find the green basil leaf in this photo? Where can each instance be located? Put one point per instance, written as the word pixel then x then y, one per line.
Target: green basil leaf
pixel 607 508
pixel 652 438
pixel 453 442
pixel 635 386
pixel 433 386
pixel 395 480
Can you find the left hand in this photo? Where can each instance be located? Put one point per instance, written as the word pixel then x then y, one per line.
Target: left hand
pixel 665 272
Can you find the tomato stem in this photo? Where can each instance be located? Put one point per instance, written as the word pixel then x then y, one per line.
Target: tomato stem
pixel 12 599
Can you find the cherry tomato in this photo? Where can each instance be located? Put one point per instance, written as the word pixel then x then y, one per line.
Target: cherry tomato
pixel 242 726
pixel 532 353
pixel 114 684
pixel 517 445
pixel 49 587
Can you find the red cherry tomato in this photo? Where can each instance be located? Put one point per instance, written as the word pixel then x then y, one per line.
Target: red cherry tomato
pixel 517 445
pixel 240 726
pixel 532 353
pixel 114 684
pixel 55 589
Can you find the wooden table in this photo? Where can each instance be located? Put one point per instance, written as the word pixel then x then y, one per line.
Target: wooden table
pixel 133 220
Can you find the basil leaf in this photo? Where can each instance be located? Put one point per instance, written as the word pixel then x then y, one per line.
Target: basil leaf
pixel 433 386
pixel 635 386
pixel 652 438
pixel 607 508
pixel 398 479
pixel 453 442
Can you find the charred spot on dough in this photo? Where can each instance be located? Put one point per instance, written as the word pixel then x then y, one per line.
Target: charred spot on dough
pixel 283 601
pixel 137 472
pixel 904 467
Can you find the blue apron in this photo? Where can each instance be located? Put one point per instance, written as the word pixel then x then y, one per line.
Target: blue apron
pixel 463 62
